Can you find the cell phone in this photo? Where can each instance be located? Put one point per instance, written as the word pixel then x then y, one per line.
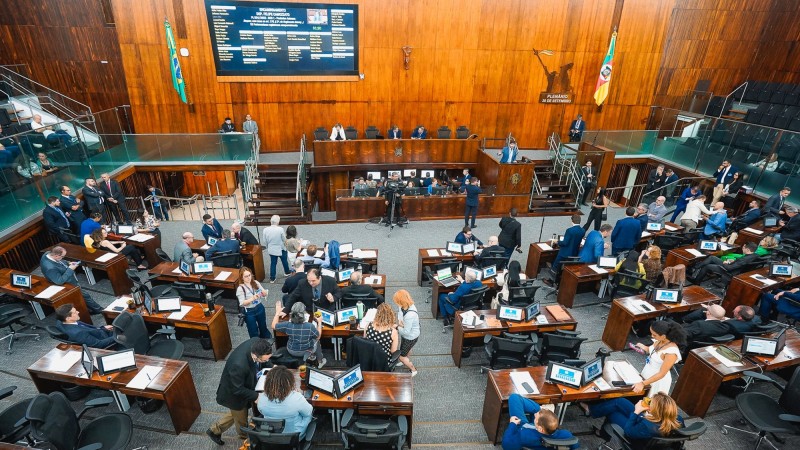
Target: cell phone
pixel 646 401
pixel 619 383
pixel 527 387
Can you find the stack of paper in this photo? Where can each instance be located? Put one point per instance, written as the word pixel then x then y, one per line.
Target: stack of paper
pixel 753 230
pixel 522 380
pixel 362 254
pixel 369 316
pixel 49 292
pixel 373 279
pixel 597 269
pixel 107 257
pixel 120 302
pixel 146 375
pixel 669 228
pixel 178 315
pixel 694 251
pixel 544 246
pixel 66 362
pixel 222 276
pixel 763 279
pixel 432 252
pixel 445 253
pixel 470 319
pixel 646 234
pixel 205 247
pixel 141 237
pixel 177 270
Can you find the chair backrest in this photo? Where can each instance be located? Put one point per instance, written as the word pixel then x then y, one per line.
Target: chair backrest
pixel 790 398
pixel 231 260
pixel 130 331
pixel 351 133
pixel 189 291
pixel 629 283
pixel 57 334
pixel 53 420
pixel 357 264
pixel 352 299
pixel 371 132
pixel 558 347
pixel 163 255
pixel 462 132
pixel 499 261
pixel 320 134
pixel 267 434
pixel 474 300
pixel 677 439
pixel 521 295
pixel 559 444
pixel 509 353
pixel 360 350
pixel 372 432
pixel 444 132
pixel 452 263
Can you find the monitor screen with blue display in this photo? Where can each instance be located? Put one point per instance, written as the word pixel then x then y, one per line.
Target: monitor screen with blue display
pixel 563 374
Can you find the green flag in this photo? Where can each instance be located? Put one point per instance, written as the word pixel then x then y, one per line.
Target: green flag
pixel 174 64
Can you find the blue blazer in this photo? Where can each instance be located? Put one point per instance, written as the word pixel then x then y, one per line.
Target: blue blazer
pixel 390 134
pixel 750 216
pixel 461 238
pixel 728 178
pixel 472 193
pixel 509 156
pixel 215 232
pixel 83 333
pixel 643 221
pixel 416 134
pixel 53 221
pixel 716 223
pixel 773 205
pixel 571 243
pixel 684 198
pixel 67 203
pixel 223 246
pixel 464 289
pixel 627 233
pixel 593 248
pixel 56 273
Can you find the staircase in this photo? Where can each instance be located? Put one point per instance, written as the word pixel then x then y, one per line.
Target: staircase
pixel 555 195
pixel 275 193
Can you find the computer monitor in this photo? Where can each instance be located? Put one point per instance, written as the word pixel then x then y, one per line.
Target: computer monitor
pixel 147 300
pixel 564 374
pixel 87 361
pixel 454 247
pixel 343 315
pixel 393 172
pixel 510 313
pixel 21 280
pixel 125 230
pixel 122 361
pixel 212 240
pixel 414 191
pixel 764 346
pixel 328 272
pixel 592 370
pixel 424 173
pixel 489 272
pixel 468 248
pixel 344 275
pixel 328 317
pixel 532 310
pixel 780 270
pixel 475 271
pixel 375 175
pixel 770 222
pixel 654 226
pixel 186 268
pixel 607 262
pixel 345 248
pixel 444 273
pixel 407 173
pixel 203 267
pixel 369 192
pixel 168 304
pixel 438 190
pixel 321 381
pixel 349 380
pixel 709 246
pixel 667 295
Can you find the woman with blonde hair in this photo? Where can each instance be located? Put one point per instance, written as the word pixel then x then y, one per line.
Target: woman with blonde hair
pixel 649 418
pixel 765 247
pixel 651 261
pixel 383 329
pixel 407 327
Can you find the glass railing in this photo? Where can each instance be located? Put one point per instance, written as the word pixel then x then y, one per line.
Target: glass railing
pixel 628 142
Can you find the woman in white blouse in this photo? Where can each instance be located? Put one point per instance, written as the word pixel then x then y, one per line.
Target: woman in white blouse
pixel 407 327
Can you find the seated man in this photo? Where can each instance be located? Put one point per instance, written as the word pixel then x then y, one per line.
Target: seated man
pixel 656 210
pixel 715 224
pixel 521 433
pixel 226 245
pixel 59 272
pixel 726 268
pixel 419 133
pixel 713 326
pixel 360 289
pixel 211 227
pixel 448 312
pixel 80 332
pixel 315 290
pixel 743 320
pixel 183 253
pixel 492 247
pixel 466 236
pixel 292 281
pixel 316 256
pixel 595 246
pixel 749 217
pixel 791 225
pixel 52 136
pixel 786 302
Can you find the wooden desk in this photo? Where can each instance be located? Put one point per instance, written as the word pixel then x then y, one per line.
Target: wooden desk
pixel 495 327
pixel 373 261
pixel 749 236
pixel 173 384
pixel 166 272
pixel 499 388
pixel 379 152
pixel 681 255
pixel 115 267
pixel 438 288
pixel 148 247
pixel 624 313
pixel 252 257
pixel 745 290
pixel 70 293
pixel 379 287
pixel 538 258
pixel 573 275
pixel 702 373
pixel 424 259
pixel 215 326
pixel 420 207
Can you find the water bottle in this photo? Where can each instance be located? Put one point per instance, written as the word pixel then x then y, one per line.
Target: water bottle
pixel 360 309
pixel 209 302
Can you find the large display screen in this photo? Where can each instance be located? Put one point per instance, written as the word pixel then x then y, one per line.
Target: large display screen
pixel 282 39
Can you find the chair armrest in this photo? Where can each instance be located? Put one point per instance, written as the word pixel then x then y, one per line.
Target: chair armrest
pixel 6 391
pixel 723 338
pixel 95 403
pixel 618 432
pixel 217 294
pixel 402 423
pixel 568 332
pixel 21 422
pixel 789 417
pixel 347 417
pixel 486 339
pixel 762 377
pixel 165 331
pixel 311 429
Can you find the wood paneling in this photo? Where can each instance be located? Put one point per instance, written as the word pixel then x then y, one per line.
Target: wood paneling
pixel 412 151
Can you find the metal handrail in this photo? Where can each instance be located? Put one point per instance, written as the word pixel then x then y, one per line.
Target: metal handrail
pixel 729 95
pixel 634 200
pixel 301 178
pixel 565 167
pixel 87 111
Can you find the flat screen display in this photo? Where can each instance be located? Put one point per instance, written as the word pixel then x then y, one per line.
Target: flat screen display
pixel 328 273
pixel 710 246
pixel 780 270
pixel 320 381
pixel 654 226
pixel 472 270
pixel 512 313
pixel 204 267
pixel 186 268
pixel 344 315
pixel 532 311
pixel 125 229
pixel 349 380
pixel 489 272
pixel 117 361
pixel 21 280
pixel 454 247
pixel 344 275
pixel 345 248
pixel 592 370
pixel 560 373
pixel 168 304
pixel 328 318
pixel 280 39
pixel 212 240
pixel 469 247
pixel 667 295
pixel 607 262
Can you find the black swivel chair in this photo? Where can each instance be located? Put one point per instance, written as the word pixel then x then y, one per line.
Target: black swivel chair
pixel 369 354
pixel 309 267
pixel 13 427
pixel 351 133
pixel 462 132
pixel 499 261
pixel 163 255
pixel 321 134
pixel 369 301
pixel 444 132
pixel 11 315
pixel 356 264
pixel 229 260
pixel 509 351
pixel 557 444
pixel 675 441
pixel 141 284
pixel 668 241
pixel 130 331
pixel 522 295
pixel 369 432
pixel 627 283
pixel 192 292
pixel 558 346
pixel 371 132
pixel 54 422
pixel 472 301
pixel 268 434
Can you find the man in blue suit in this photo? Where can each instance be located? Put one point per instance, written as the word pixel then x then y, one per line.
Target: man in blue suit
pixel 774 204
pixel 55 221
pixel 224 245
pixel 594 246
pixel 748 218
pixel 627 233
pixel 445 309
pixel 576 129
pixel 395 133
pixel 687 195
pixel 724 176
pixel 772 302
pixel 642 216
pixel 509 153
pixel 211 228
pixel 568 247
pixel 419 133
pixel 72 207
pixel 59 272
pixel 81 332
pixel 473 190
pixel 715 225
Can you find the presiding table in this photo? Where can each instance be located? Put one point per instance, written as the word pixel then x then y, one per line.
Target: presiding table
pixel 70 294
pixel 113 264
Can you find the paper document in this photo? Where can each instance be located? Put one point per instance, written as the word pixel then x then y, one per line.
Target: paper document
pixel 670 228
pixel 432 252
pixel 358 253
pixel 602 384
pixel 694 251
pixel 141 237
pixel 646 234
pixel 713 351
pixel 144 377
pixel 544 246
pixel 725 247
pixel 177 270
pixel 107 257
pixel 373 279
pixel 49 292
pixel 763 279
pixel 205 247
pixel 523 377
pixel 222 276
pixel 597 269
pixel 754 231
pixel 120 302
pixel 470 319
pixel 66 362
pixel 444 252
pixel 369 316
pixel 178 315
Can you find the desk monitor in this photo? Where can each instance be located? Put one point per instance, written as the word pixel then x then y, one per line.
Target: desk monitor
pixel 468 248
pixel 87 361
pixel 349 380
pixel 328 317
pixel 392 172
pixel 564 374
pixel 147 300
pixel 709 246
pixel 408 173
pixel 427 173
pixel 764 346
pixel 592 370
pixel 438 190
pixel 375 176
pixel 343 315
pixel 654 226
pixel 186 268
pixel 321 381
pixel 21 280
pixel 212 240
pixel 414 191
pixel 125 230
pixel 454 247
pixel 346 248
pixel 344 275
pixel 532 310
pixel 116 362
pixel 780 270
pixel 489 272
pixel 607 262
pixel 203 267
pixel 473 270
pixel 667 295
pixel 168 304
pixel 510 313
pixel 770 222
pixel 328 272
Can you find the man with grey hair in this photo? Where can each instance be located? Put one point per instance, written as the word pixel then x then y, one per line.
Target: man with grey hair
pixel 704 330
pixel 274 239
pixel 492 248
pixel 641 216
pixel 57 271
pixel 656 210
pixel 448 303
pixel 243 234
pixel 791 226
pixel 358 289
pixel 183 253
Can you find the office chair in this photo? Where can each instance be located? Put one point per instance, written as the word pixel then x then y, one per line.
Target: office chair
pixel 369 354
pixel 499 261
pixel 472 301
pixel 443 132
pixel 558 444
pixel 310 266
pixel 282 357
pixel 626 283
pixel 13 427
pixel 462 132
pixel 54 422
pixel 321 134
pixel 356 264
pixel 522 295
pixel 163 255
pixel 452 263
pixel 668 241
pixel 10 315
pixel 268 434
pixel 371 132
pixel 192 292
pixel 767 415
pixel 690 237
pixel 230 260
pixel 509 351
pixel 130 331
pixel 557 346
pixel 368 300
pixel 351 133
pixel 141 284
pixel 675 441
pixel 368 432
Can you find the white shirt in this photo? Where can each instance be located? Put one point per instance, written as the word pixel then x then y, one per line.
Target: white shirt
pixel 694 210
pixel 339 131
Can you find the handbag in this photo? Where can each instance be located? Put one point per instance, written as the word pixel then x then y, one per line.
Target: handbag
pixel 241 317
pixel 605 215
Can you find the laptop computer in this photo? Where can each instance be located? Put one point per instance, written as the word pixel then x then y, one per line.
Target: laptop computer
pixel 445 276
pixel 607 262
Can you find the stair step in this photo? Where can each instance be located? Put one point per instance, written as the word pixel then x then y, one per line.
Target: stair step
pixel 273 203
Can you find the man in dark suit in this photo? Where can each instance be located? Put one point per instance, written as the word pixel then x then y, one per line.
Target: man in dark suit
pixel 419 133
pixel 243 234
pixel 95 199
pixel 237 385
pixel 748 218
pixel 790 226
pixel 713 326
pixel 627 232
pixel 317 290
pixel 492 247
pixel 655 181
pixel 473 190
pixel 226 245
pixel 774 204
pixel 589 180
pixel 291 282
pixel 395 133
pixel 576 129
pixel 115 196
pixel 358 289
pixel 447 311
pixel 72 207
pixel 510 233
pixel 743 319
pixel 727 268
pixel 779 302
pixel 642 216
pixel 211 227
pixel 724 176
pixel 55 221
pixel 570 244
pixel 59 272
pixel 80 332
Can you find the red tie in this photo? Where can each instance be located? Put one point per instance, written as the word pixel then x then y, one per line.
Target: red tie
pixel 109 185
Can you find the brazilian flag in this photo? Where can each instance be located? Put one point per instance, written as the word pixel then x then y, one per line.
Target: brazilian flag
pixel 175 65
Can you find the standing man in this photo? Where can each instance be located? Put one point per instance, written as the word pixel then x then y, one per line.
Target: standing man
pixel 211 228
pixel 227 126
pixel 589 175
pixel 159 209
pixel 473 190
pixel 774 204
pixel 656 210
pixel 237 385
pixel 569 245
pixel 315 290
pixel 72 207
pixel 595 245
pixel 57 271
pixel 627 232
pixel 250 126
pixel 274 238
pixel 114 195
pixel 724 176
pixel 55 220
pixel 509 153
pixel 694 211
pixel 510 233
pixel 243 234
pixel 576 129
pixel 655 181
pixel 95 199
pixel 687 195
pixel 671 177
pixel 183 253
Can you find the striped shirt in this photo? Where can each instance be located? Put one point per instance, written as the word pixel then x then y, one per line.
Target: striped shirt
pixel 302 336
